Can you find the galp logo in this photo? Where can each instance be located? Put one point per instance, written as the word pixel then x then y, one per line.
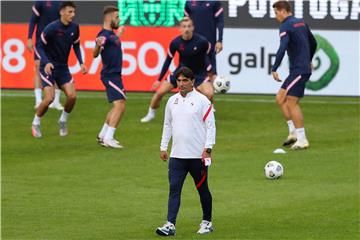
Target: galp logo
pixel 326 65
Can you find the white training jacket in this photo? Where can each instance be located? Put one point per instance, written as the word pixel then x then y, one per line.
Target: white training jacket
pixel 190 122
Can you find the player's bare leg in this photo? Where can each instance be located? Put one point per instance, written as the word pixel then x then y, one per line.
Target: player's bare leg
pixel 49 93
pixel 156 100
pixel 207 89
pixel 101 135
pixel 56 103
pixel 37 84
pixel 70 93
pixel 113 119
pixel 116 113
pixel 296 115
pixel 281 100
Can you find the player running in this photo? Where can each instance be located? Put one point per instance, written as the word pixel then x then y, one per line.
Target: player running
pixel 193 52
pixel 108 45
pixel 297 40
pixel 56 41
pixel 43 13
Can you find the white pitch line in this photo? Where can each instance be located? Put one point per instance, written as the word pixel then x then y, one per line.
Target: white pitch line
pixel 88 95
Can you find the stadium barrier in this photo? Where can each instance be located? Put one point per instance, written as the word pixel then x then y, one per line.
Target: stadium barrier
pixel 245 60
pixel 144 51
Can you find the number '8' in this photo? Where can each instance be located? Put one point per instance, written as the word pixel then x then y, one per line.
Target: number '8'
pixel 10 54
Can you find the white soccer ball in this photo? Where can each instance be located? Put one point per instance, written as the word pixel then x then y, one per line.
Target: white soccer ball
pixel 273 170
pixel 221 84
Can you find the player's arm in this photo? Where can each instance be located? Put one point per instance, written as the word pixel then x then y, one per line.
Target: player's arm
pixel 76 47
pixel 166 65
pixel 35 16
pixel 166 135
pixel 312 42
pixel 219 21
pixel 209 119
pixel 99 45
pixel 45 36
pixel 206 46
pixel 284 41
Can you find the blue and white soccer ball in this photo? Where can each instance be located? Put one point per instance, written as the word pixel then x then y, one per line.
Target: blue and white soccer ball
pixel 273 170
pixel 221 84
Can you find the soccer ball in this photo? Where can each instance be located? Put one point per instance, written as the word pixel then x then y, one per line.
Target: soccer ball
pixel 273 170
pixel 221 84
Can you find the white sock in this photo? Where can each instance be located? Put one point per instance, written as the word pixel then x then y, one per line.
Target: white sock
pixel 110 133
pixel 151 111
pixel 64 116
pixel 300 134
pixel 37 92
pixel 103 130
pixel 36 120
pixel 291 126
pixel 57 96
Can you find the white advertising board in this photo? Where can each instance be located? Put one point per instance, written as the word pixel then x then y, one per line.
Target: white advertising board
pixel 249 53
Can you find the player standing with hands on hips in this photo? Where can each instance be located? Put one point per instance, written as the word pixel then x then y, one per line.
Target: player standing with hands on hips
pixel 297 40
pixel 190 122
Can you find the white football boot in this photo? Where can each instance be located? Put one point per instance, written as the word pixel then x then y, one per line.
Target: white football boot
pixel 205 227
pixel 299 145
pixel 147 118
pixel 111 143
pixel 56 106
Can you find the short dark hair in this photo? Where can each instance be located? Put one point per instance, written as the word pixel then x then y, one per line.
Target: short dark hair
pixel 67 4
pixel 186 72
pixel 110 9
pixel 282 5
pixel 186 19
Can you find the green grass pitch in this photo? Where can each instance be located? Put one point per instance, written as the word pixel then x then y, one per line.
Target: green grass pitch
pixel 72 188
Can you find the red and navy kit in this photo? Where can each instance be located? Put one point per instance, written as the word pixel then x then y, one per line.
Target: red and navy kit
pixel 177 170
pixel 208 18
pixel 299 43
pixel 43 13
pixel 111 55
pixel 193 54
pixel 54 47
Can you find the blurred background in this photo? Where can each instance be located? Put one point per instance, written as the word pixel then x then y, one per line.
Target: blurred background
pixel 250 43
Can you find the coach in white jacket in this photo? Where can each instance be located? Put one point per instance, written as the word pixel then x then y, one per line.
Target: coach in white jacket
pixel 189 121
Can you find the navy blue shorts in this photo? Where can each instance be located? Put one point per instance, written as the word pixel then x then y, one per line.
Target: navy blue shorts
pixel 295 84
pixel 114 87
pixel 199 78
pixel 59 75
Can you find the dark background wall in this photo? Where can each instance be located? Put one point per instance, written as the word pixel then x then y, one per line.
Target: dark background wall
pixel 89 12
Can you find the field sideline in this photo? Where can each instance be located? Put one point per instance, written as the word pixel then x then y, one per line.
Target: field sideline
pixel 72 188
